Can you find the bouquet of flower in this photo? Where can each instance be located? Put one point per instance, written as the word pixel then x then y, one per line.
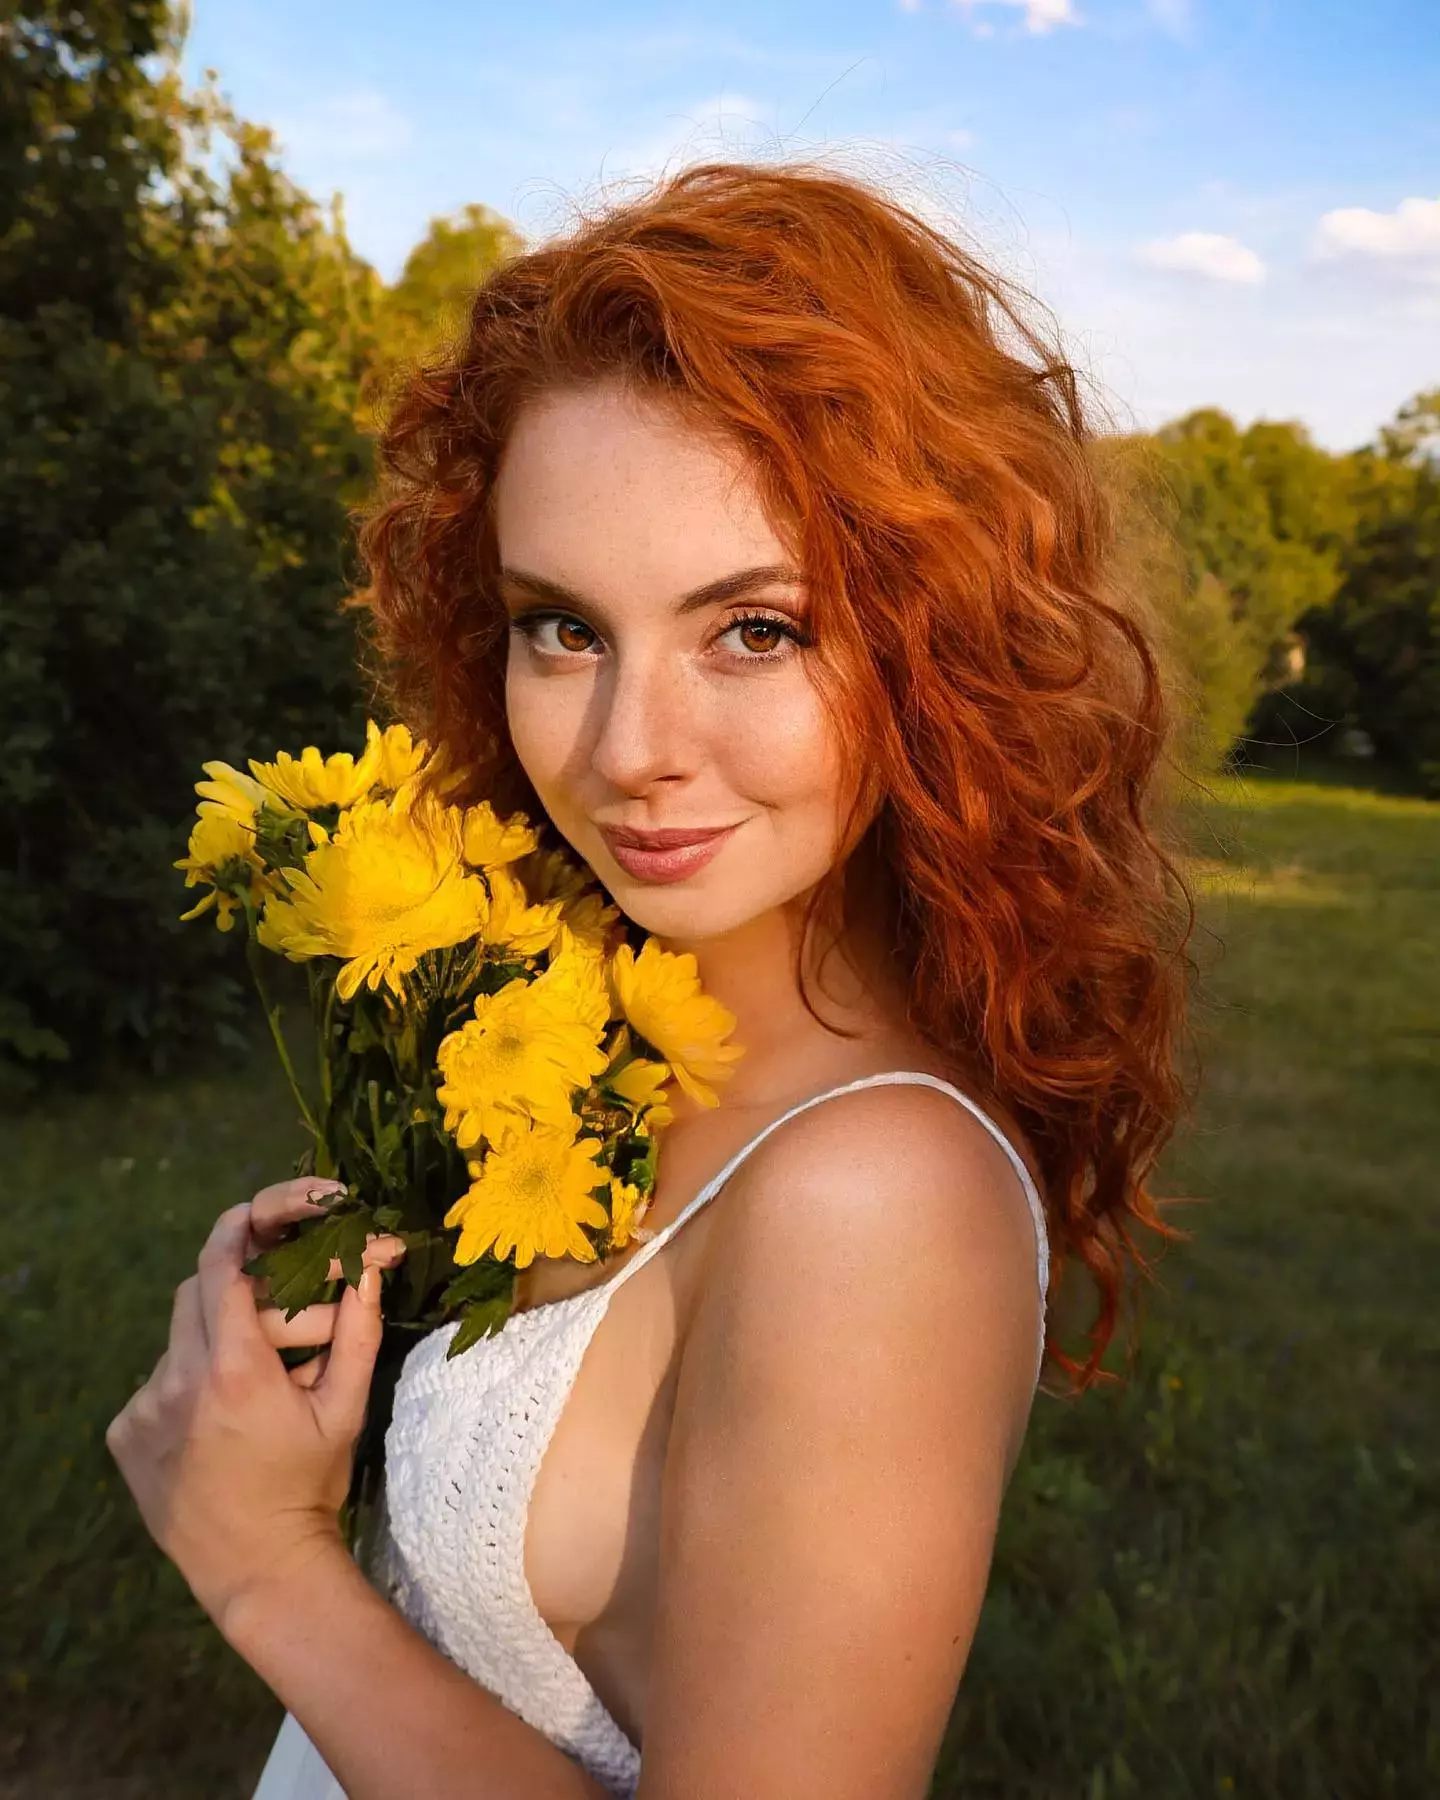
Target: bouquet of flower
pixel 493 1060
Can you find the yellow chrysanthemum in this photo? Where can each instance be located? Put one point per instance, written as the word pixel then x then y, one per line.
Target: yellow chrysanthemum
pixel 578 965
pixel 222 855
pixel 628 1207
pixel 512 923
pixel 661 996
pixel 642 1083
pixel 389 760
pixel 397 755
pixel 530 1196
pixel 235 794
pixel 381 891
pixel 591 919
pixel 523 1054
pixel 490 842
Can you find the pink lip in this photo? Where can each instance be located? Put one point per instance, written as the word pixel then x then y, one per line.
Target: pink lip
pixel 663 855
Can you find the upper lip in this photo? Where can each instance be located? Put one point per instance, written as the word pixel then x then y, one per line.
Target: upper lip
pixel 661 840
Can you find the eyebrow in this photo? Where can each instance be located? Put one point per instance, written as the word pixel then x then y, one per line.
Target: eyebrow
pixel 713 593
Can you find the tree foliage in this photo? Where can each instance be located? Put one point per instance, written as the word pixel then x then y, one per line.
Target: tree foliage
pixel 1257 521
pixel 426 307
pixel 1374 649
pixel 181 342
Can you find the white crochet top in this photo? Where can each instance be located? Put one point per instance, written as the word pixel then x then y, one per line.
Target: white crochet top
pixel 461 1459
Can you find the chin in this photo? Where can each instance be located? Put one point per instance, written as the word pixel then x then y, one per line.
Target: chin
pixel 684 912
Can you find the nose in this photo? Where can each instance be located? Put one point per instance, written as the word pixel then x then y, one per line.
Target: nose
pixel 646 729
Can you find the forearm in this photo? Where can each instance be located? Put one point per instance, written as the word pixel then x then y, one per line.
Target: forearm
pixel 393 1718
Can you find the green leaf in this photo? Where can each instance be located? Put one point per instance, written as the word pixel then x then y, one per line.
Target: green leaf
pixel 481 1319
pixel 299 1269
pixel 481 1280
pixel 354 1228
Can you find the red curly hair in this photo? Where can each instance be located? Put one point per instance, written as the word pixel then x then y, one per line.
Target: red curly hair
pixel 957 543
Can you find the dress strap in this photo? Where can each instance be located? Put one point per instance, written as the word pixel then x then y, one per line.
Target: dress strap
pixel 890 1077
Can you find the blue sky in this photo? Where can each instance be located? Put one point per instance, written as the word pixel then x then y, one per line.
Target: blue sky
pixel 1224 202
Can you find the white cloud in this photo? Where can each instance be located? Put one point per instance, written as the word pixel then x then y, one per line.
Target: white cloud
pixel 1204 253
pixel 1040 15
pixel 362 123
pixel 1407 238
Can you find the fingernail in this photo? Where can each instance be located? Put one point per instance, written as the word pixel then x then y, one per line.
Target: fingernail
pixel 322 1191
pixel 370 1285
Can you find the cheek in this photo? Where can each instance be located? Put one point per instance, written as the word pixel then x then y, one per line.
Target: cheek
pixel 543 730
pixel 785 751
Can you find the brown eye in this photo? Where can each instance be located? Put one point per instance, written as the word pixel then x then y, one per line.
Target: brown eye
pixel 570 634
pixel 766 630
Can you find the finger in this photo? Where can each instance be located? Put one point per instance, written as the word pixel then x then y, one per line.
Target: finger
pixel 310 1372
pixel 340 1398
pixel 227 1294
pixel 189 1348
pixel 382 1251
pixel 275 1208
pixel 311 1325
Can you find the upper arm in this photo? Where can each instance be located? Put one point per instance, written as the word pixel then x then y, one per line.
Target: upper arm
pixel 858 1366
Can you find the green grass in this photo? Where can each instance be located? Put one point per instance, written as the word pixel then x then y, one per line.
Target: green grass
pixel 1222 1578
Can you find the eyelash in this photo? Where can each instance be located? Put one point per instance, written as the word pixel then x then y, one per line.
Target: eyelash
pixel 529 628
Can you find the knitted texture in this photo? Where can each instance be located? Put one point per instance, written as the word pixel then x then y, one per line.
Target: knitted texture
pixel 462 1455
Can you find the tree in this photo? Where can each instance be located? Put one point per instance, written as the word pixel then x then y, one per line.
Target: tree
pixel 1374 648
pixel 180 356
pixel 1234 534
pixel 428 305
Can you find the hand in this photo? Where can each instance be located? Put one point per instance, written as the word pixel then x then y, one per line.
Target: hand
pixel 238 1465
pixel 273 1210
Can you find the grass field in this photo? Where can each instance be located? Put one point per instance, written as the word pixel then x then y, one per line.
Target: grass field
pixel 1220 1578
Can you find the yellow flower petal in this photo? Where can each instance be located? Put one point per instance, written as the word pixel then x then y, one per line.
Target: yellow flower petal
pixel 530 1198
pixel 386 887
pixel 235 793
pixel 489 843
pixel 389 760
pixel 640 1081
pixel 522 1055
pixel 222 855
pixel 661 996
pixel 397 756
pixel 628 1207
pixel 512 923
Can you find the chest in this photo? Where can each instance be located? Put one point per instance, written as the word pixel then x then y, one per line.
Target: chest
pixel 523 1483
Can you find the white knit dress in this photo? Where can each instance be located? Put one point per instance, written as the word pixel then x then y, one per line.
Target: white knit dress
pixel 461 1458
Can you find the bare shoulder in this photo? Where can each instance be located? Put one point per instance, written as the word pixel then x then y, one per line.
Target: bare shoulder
pixel 889 1195
pixel 854 1380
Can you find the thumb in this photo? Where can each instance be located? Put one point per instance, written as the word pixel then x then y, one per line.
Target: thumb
pixel 339 1396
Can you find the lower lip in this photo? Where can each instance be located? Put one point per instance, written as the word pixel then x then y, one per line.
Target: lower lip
pixel 673 864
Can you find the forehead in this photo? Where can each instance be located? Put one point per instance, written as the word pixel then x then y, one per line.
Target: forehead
pixel 601 484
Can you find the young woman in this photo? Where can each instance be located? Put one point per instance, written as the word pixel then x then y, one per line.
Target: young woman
pixel 736 542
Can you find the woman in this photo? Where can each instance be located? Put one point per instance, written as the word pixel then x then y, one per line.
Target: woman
pixel 735 540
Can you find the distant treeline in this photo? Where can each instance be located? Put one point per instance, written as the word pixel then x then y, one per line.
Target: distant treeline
pixel 190 353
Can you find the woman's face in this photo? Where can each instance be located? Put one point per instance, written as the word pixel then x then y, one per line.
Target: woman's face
pixel 659 683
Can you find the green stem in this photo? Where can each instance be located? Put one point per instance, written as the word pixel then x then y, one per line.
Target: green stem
pixel 272 1019
pixel 323 1014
